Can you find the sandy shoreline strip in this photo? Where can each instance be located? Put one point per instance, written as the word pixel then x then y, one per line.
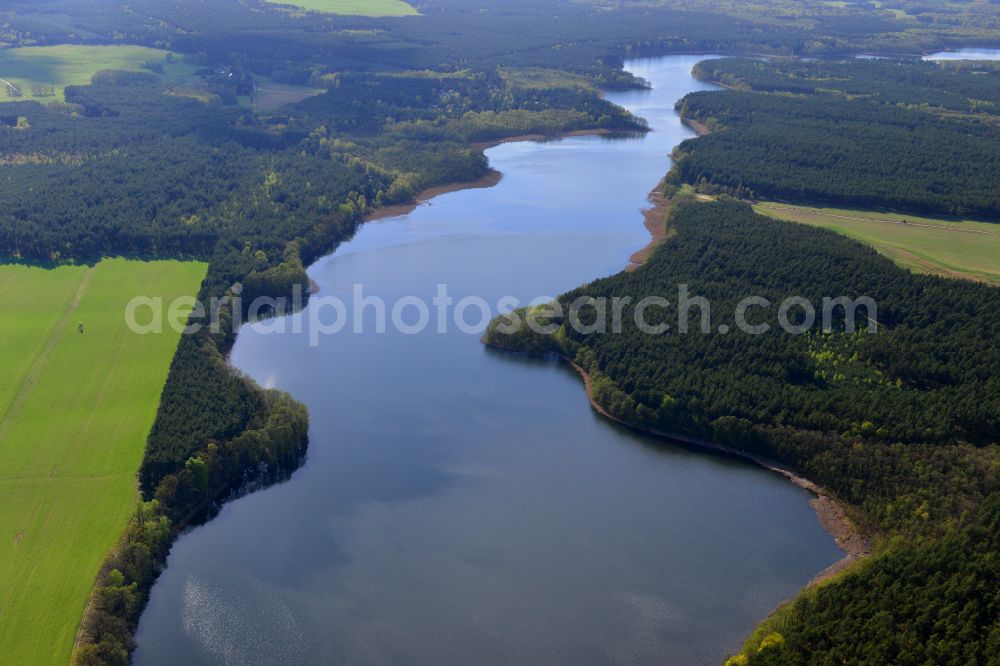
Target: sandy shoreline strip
pixel 655 221
pixel 699 128
pixel 482 146
pixel 492 178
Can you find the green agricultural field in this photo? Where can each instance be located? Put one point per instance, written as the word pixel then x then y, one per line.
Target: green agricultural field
pixel 953 248
pixel 52 68
pixel 353 7
pixel 75 411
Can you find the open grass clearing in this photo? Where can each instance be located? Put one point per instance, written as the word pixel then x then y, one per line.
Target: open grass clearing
pixel 353 7
pixel 42 73
pixel 952 248
pixel 270 95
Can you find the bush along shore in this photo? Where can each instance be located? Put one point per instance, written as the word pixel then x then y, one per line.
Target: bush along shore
pixel 904 442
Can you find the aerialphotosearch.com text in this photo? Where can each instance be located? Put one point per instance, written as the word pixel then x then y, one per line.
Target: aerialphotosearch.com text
pixel 361 313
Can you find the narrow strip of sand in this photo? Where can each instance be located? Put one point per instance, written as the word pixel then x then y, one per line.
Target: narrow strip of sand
pixel 491 179
pixel 655 221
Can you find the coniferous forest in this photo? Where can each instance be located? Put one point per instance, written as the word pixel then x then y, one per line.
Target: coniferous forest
pixel 902 426
pixel 928 141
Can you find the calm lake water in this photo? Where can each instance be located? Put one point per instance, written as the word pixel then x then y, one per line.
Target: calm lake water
pixel 966 54
pixel 463 506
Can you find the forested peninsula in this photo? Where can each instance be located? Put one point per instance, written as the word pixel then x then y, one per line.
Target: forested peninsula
pixel 899 425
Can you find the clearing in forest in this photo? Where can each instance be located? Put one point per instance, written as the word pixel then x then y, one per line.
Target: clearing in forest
pixel 41 73
pixel 353 7
pixel 952 248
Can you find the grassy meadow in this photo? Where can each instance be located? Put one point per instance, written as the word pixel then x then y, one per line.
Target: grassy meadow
pixel 537 78
pixel 75 411
pixel 75 64
pixel 272 95
pixel 353 7
pixel 952 248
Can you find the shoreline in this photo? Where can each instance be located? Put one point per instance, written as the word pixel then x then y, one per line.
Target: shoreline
pixel 655 221
pixel 698 127
pixel 482 146
pixel 832 515
pixel 490 179
pixel 833 518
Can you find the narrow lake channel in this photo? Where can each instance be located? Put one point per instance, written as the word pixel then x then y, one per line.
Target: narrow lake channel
pixel 466 506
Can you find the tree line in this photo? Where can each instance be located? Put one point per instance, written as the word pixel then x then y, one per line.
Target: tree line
pixel 970 87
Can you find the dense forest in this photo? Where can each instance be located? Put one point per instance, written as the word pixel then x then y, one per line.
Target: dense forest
pixel 828 133
pixel 123 167
pixel 967 86
pixel 165 175
pixel 580 35
pixel 900 424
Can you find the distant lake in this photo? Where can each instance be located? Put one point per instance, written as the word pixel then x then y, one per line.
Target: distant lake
pixel 966 54
pixel 465 506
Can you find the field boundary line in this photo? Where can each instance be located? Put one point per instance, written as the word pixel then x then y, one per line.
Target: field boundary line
pixel 31 376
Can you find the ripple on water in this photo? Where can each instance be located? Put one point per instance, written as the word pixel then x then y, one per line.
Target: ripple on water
pixel 227 624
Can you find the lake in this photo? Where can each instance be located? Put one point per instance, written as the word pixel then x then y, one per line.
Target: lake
pixel 461 505
pixel 966 54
